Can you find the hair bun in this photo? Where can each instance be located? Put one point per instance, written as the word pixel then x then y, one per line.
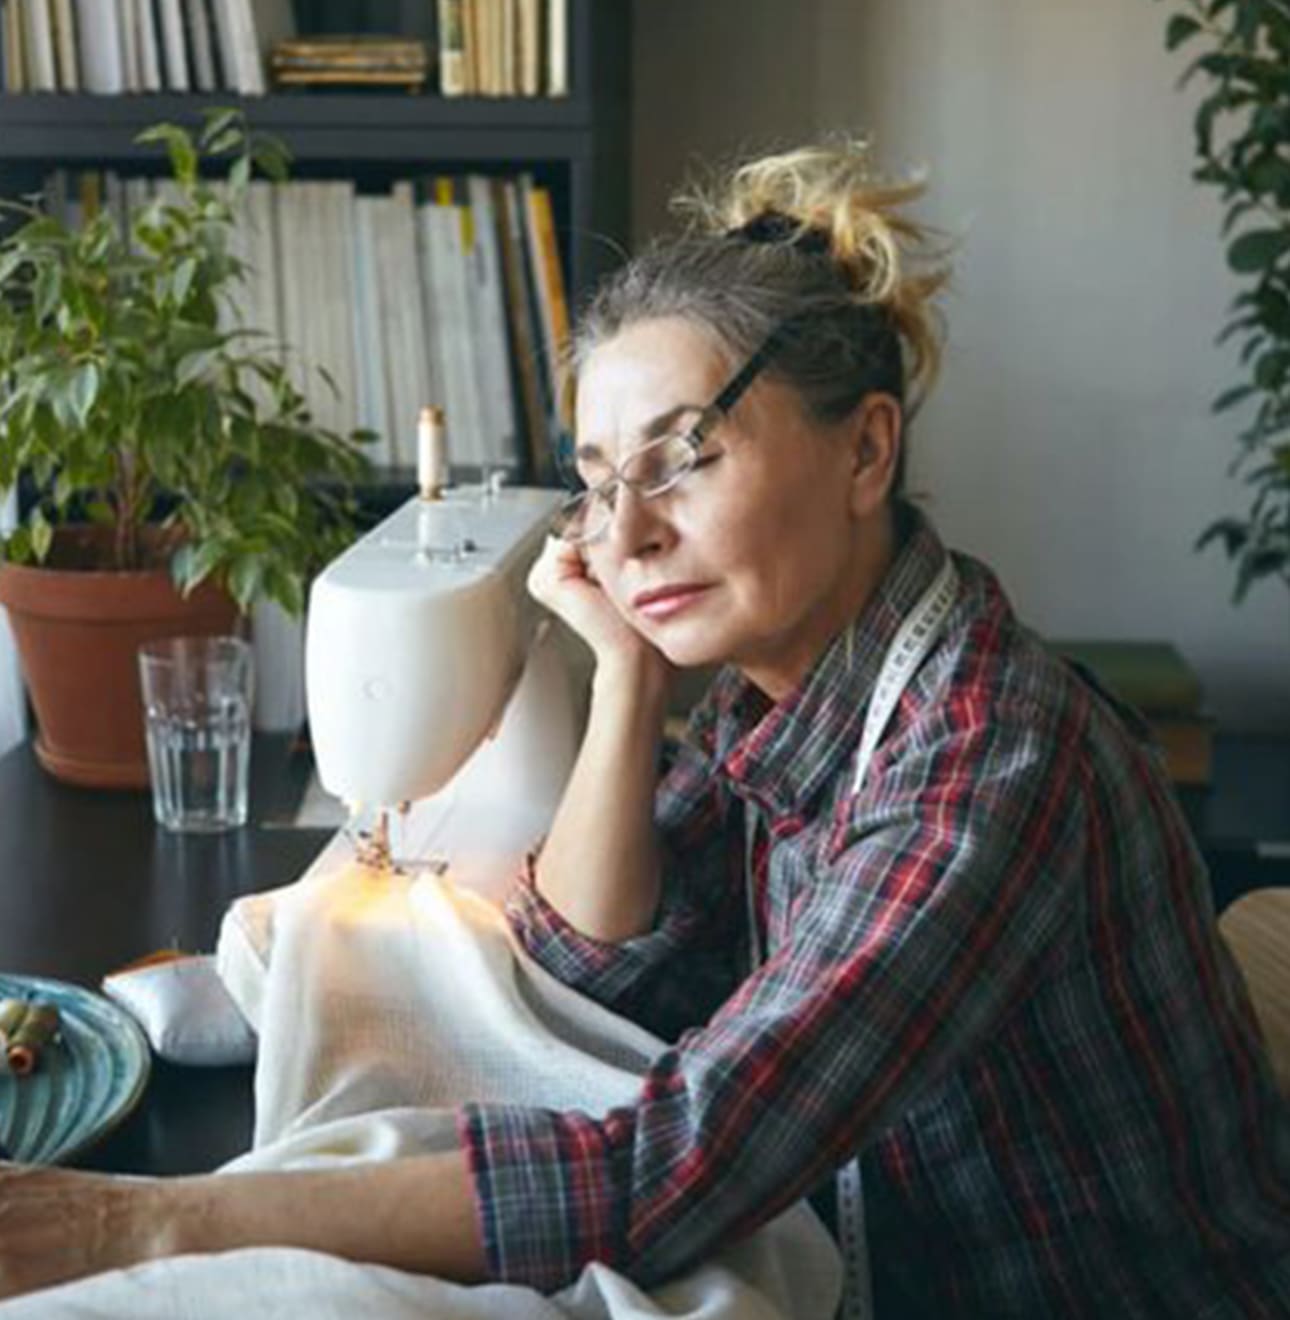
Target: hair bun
pixel 771 226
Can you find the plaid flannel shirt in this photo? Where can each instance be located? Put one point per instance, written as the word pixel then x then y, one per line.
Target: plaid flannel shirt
pixel 993 970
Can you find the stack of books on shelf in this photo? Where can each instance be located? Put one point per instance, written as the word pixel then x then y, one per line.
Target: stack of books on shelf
pixel 503 47
pixel 114 46
pixel 446 291
pixel 1155 679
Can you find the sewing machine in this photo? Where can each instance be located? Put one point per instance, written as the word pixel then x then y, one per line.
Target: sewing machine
pixel 437 689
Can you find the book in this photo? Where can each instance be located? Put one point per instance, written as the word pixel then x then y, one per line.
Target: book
pixel 365 325
pixel 488 299
pixel 65 46
pixel 557 72
pixel 149 46
pixel 102 60
pixel 1149 675
pixel 38 46
pixel 529 46
pixel 15 77
pixel 198 22
pixel 224 13
pixel 520 322
pixel 132 68
pixel 554 302
pixel 172 43
pixel 1187 745
pixel 452 48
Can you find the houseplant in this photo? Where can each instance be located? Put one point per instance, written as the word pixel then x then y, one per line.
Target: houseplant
pixel 170 453
pixel 1242 126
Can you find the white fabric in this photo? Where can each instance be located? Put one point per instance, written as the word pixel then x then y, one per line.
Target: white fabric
pixel 13 709
pixel 380 1003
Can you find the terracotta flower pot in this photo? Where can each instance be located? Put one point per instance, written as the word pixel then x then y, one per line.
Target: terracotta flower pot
pixel 78 632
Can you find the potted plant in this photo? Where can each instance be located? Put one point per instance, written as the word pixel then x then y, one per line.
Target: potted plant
pixel 178 474
pixel 1243 141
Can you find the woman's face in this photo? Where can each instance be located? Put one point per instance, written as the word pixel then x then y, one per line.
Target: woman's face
pixel 758 557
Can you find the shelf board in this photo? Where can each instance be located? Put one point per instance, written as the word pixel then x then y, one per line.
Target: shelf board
pixel 317 126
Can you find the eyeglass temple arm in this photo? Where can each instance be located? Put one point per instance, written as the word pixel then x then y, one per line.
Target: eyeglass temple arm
pixel 748 372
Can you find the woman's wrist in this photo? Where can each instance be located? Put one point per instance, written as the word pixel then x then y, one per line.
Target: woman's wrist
pixel 640 679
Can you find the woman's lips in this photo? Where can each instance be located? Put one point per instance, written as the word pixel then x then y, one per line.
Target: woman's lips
pixel 667 602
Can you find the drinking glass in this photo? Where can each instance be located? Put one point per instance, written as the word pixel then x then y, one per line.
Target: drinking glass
pixel 197 694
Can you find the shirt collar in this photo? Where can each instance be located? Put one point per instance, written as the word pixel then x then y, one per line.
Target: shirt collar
pixel 785 754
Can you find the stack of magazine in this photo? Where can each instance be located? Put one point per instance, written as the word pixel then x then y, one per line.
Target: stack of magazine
pixel 446 291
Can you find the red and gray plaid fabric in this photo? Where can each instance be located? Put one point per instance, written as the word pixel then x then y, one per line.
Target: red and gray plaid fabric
pixel 994 970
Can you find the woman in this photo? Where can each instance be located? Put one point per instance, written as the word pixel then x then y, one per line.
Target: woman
pixel 909 888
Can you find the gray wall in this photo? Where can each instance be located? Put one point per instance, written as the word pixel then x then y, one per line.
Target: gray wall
pixel 1069 443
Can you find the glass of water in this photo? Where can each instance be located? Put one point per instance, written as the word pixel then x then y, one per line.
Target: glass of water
pixel 197 694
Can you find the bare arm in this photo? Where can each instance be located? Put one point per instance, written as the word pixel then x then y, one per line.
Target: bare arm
pixel 414 1214
pixel 600 866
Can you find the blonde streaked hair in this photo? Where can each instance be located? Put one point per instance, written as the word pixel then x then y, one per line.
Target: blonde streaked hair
pixel 810 239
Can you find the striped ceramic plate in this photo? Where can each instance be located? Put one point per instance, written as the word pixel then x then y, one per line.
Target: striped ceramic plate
pixel 87 1081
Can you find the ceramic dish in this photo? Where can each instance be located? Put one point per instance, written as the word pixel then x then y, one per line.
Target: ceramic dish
pixel 87 1081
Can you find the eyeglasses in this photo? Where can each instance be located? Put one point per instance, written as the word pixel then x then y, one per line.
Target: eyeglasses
pixel 658 465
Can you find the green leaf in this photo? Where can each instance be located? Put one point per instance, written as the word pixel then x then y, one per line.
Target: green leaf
pixel 1230 398
pixel 244 579
pixel 42 534
pixel 83 390
pixel 179 147
pixel 219 120
pixel 239 174
pixel 182 280
pixel 1254 252
pixel 1180 28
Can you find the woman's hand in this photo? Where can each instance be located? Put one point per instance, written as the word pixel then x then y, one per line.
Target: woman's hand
pixel 57 1225
pixel 562 581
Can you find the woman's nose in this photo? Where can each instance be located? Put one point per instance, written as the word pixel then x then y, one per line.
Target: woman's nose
pixel 637 525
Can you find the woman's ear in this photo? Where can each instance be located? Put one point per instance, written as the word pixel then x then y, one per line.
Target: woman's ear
pixel 876 436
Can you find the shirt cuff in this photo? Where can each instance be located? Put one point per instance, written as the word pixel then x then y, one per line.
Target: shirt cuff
pixel 544 1200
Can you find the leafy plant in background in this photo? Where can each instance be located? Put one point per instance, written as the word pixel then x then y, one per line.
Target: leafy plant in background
pixel 1243 141
pixel 127 397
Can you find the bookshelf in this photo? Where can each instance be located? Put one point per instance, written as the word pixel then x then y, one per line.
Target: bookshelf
pixel 576 145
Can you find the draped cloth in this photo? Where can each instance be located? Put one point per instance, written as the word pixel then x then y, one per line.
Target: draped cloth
pixel 381 1003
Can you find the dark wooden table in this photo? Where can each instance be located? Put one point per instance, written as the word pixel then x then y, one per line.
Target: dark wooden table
pixel 88 882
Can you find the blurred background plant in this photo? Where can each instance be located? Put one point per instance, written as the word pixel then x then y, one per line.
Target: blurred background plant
pixel 1241 48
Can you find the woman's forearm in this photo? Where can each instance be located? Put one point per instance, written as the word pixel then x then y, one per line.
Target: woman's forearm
pixel 600 864
pixel 415 1214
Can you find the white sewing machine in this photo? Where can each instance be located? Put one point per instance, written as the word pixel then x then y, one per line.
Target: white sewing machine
pixel 436 687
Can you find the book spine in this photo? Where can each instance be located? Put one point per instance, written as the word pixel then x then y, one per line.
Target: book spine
pixel 130 71
pixel 226 43
pixel 557 73
pixel 197 21
pixel 520 321
pixel 172 29
pixel 69 79
pixel 452 49
pixel 149 46
pixel 38 41
pixel 373 412
pixel 11 24
pixel 250 71
pixel 555 300
pixel 101 69
pixel 496 383
pixel 530 47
